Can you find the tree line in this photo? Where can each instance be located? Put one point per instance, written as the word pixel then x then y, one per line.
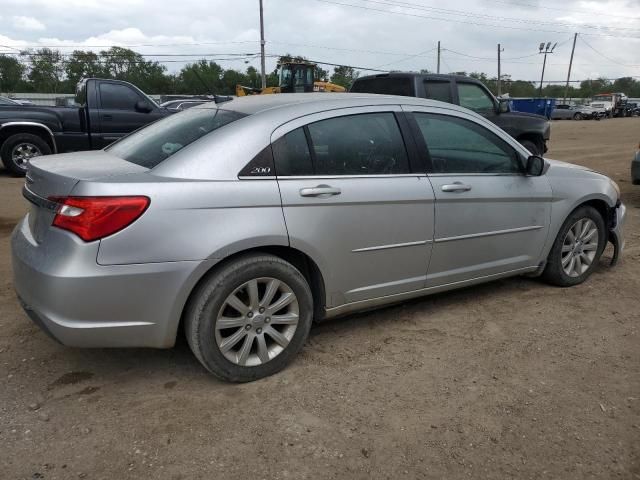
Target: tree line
pixel 51 71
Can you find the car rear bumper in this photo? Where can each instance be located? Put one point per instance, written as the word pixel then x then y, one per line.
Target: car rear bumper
pixel 83 304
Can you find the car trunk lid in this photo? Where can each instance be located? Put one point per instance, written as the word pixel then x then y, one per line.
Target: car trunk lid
pixel 57 175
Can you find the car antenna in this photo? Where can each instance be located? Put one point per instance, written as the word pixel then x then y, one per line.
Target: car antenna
pixel 216 99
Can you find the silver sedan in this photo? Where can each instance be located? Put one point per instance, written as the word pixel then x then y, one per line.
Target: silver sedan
pixel 247 222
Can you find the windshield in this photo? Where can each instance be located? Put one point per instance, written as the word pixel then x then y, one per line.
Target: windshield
pixel 602 98
pixel 153 144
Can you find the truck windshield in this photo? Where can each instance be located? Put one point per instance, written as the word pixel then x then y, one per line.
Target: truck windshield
pixel 153 144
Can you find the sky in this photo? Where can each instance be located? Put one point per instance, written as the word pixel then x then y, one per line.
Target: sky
pixel 377 34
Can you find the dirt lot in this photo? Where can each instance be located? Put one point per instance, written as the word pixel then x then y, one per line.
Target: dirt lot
pixel 513 379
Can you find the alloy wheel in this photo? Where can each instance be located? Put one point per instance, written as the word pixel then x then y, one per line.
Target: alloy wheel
pixel 257 321
pixel 579 247
pixel 22 153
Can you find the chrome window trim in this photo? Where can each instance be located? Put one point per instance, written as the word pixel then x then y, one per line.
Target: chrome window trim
pixel 335 177
pixel 477 174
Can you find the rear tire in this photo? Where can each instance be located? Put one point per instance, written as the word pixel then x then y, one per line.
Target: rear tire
pixel 531 146
pixel 575 252
pixel 18 149
pixel 234 325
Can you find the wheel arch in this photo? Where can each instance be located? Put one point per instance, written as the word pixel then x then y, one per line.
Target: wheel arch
pixel 303 262
pixel 601 202
pixel 535 138
pixel 34 128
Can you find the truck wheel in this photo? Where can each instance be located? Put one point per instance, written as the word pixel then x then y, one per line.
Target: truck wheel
pixel 19 149
pixel 531 146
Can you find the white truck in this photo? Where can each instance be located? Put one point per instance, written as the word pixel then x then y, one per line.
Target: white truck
pixel 611 104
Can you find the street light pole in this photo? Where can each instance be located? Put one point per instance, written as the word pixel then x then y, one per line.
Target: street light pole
pixel 545 50
pixel 262 66
pixel 499 50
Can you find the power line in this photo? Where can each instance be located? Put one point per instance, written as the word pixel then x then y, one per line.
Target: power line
pixel 579 12
pixel 502 26
pixel 407 58
pixel 608 58
pixel 446 11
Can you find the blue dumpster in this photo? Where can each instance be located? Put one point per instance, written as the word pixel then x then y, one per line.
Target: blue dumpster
pixel 540 106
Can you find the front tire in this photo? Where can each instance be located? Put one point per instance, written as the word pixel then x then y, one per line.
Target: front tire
pixel 577 116
pixel 249 319
pixel 577 248
pixel 19 149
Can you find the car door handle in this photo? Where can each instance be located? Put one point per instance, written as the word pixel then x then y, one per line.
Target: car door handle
pixel 107 117
pixel 456 187
pixel 320 191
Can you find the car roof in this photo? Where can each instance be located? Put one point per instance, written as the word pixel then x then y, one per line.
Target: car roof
pixel 319 101
pixel 244 138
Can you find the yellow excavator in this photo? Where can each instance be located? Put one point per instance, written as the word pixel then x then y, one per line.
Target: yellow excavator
pixel 295 77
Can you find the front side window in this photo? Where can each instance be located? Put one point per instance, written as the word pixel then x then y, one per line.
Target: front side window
pixel 438 90
pixel 365 144
pixel 154 143
pixel 457 145
pixel 118 97
pixel 474 98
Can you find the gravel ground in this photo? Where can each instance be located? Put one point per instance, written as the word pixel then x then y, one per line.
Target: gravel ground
pixel 512 379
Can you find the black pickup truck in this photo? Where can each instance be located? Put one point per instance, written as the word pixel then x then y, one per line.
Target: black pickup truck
pixel 108 110
pixel 532 131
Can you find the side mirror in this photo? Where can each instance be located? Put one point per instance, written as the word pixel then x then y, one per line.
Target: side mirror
pixel 143 107
pixel 535 166
pixel 503 105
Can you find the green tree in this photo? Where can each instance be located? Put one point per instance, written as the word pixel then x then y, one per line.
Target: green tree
pixel 344 76
pixel 11 73
pixel 46 70
pixel 125 64
pixel 202 77
pixel 83 64
pixel 589 88
pixel 253 77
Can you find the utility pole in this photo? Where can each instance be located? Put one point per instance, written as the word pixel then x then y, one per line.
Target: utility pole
pixel 573 49
pixel 499 50
pixel 438 71
pixel 262 67
pixel 545 50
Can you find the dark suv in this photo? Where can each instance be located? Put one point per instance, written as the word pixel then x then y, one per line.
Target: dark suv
pixel 532 131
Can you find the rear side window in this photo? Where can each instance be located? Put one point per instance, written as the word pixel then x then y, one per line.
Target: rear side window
pixel 292 154
pixel 154 143
pixel 438 90
pixel 118 97
pixel 457 145
pixel 384 85
pixel 366 144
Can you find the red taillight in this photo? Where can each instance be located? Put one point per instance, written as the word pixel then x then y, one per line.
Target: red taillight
pixel 92 218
